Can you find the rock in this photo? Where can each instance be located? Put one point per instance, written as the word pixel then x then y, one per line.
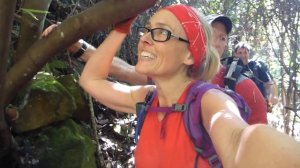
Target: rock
pixel 47 101
pixel 82 111
pixel 65 145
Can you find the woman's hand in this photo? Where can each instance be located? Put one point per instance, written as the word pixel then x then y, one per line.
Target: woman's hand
pixel 124 26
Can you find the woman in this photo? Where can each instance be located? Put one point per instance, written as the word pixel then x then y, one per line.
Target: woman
pixel 174 50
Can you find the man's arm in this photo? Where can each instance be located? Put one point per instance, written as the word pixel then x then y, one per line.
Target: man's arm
pixel 267 78
pixel 269 89
pixel 120 69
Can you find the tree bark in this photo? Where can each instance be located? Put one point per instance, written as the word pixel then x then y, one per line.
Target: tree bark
pixel 8 157
pixel 31 27
pixel 101 15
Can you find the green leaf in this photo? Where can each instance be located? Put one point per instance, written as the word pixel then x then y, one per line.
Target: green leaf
pixel 32 12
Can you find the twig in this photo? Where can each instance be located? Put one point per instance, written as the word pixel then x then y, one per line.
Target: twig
pixel 99 159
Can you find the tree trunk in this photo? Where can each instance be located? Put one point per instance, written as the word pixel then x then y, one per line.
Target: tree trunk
pixel 8 157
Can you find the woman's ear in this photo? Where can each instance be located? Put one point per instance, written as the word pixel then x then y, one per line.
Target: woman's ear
pixel 189 60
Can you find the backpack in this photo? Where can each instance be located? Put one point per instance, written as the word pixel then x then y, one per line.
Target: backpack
pixel 192 118
pixel 258 72
pixel 234 69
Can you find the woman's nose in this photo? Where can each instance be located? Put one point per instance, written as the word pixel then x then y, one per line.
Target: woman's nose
pixel 216 44
pixel 146 38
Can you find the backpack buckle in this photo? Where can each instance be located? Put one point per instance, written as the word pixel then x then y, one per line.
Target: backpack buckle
pixel 214 161
pixel 179 107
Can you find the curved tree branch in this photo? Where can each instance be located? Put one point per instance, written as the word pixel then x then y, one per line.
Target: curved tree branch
pixel 100 16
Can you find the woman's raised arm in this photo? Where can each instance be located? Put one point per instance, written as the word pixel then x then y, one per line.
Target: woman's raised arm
pixel 93 78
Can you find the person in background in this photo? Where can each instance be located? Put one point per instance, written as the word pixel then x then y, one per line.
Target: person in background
pixel 244 86
pixel 256 70
pixel 174 50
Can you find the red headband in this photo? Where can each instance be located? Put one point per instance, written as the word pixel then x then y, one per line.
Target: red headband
pixel 193 30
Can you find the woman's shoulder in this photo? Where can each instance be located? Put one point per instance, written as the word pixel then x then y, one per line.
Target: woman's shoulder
pixel 139 92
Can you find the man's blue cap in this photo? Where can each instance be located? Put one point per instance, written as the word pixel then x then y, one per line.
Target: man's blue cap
pixel 220 18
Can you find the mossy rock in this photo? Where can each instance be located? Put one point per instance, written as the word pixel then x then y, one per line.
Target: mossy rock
pixel 65 145
pixel 47 101
pixel 70 148
pixel 82 111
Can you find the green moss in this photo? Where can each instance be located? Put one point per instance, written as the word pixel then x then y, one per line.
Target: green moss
pixel 48 101
pixel 70 148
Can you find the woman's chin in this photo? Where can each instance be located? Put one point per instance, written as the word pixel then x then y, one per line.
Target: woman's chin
pixel 141 70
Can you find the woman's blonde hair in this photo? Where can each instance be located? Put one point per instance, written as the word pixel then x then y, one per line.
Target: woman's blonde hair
pixel 210 65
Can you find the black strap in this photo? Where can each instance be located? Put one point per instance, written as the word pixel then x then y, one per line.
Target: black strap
pixel 141 111
pixel 196 160
pixel 233 73
pixel 81 51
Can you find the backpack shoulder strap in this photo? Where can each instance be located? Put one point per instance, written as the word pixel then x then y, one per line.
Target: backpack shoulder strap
pixel 193 120
pixel 141 112
pixel 194 127
pixel 143 107
pixel 243 107
pixel 234 70
pixel 252 73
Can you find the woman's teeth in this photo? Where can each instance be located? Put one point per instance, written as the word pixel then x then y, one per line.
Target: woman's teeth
pixel 148 55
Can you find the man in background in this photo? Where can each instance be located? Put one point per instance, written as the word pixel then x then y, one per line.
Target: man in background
pixel 256 70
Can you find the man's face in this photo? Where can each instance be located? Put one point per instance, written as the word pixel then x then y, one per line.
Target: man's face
pixel 243 54
pixel 220 37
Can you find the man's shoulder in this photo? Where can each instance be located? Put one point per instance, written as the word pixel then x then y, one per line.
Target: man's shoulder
pixel 259 63
pixel 253 63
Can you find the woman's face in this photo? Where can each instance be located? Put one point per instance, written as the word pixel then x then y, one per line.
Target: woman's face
pixel 219 37
pixel 169 57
